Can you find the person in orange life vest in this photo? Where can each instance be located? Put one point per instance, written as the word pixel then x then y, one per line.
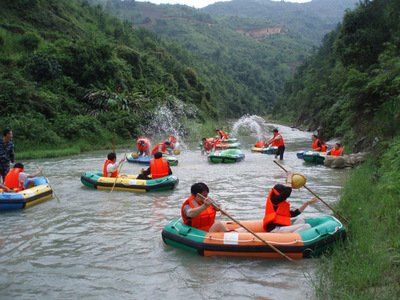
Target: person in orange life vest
pixel 277 141
pixel 208 145
pixel 16 177
pixel 110 166
pixel 222 134
pixel 172 141
pixel 198 212
pixel 337 151
pixel 159 167
pixel 143 146
pixel 318 144
pixel 278 214
pixel 164 147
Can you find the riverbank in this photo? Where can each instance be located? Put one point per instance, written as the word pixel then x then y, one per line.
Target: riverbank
pixel 367 265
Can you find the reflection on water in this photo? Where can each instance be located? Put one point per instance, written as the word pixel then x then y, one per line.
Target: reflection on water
pixel 108 245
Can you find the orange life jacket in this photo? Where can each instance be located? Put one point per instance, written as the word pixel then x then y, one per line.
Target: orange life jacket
pixel 317 145
pixel 259 144
pixel 159 147
pixel 204 220
pixel 337 152
pixel 208 144
pixel 159 168
pixel 105 165
pixel 278 143
pixel 223 134
pixel 12 179
pixel 145 146
pixel 280 216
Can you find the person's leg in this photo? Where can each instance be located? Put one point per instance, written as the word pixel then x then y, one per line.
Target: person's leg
pixel 217 227
pixel 281 151
pixel 292 228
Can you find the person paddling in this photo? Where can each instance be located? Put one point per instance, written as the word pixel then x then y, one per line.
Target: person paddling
pixel 277 141
pixel 278 214
pixel 17 177
pixel 198 212
pixel 164 147
pixel 110 166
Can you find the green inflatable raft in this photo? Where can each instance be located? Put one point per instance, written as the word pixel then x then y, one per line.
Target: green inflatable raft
pixel 226 156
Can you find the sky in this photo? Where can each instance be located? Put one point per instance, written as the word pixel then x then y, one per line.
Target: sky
pixel 198 3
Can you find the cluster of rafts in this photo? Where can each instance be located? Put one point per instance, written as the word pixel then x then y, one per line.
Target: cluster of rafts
pixel 324 231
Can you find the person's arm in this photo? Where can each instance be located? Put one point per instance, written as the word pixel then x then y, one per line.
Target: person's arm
pixel 5 188
pixel 194 212
pixel 307 203
pixel 37 173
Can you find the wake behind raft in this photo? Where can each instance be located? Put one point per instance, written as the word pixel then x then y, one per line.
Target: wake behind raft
pixel 324 233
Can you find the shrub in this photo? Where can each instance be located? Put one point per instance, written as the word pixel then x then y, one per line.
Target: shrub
pixel 30 41
pixel 43 67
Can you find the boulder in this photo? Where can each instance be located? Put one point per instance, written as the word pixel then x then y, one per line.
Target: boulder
pixel 345 161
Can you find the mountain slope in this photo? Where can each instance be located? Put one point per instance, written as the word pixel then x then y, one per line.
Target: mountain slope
pixel 243 61
pixel 351 86
pixel 70 72
pixel 311 20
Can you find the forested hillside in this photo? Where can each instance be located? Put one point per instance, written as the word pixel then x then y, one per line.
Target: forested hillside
pixel 310 20
pixel 243 61
pixel 351 86
pixel 70 72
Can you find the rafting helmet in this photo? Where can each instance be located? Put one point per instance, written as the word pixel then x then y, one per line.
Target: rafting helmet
pixel 298 180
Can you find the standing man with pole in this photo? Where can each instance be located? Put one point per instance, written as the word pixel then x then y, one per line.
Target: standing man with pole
pixel 6 152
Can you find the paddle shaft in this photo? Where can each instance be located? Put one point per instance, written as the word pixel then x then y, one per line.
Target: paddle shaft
pixel 318 197
pixel 119 170
pixel 247 229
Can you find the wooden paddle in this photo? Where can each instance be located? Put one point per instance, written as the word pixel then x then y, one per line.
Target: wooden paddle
pixel 119 170
pixel 247 229
pixel 319 198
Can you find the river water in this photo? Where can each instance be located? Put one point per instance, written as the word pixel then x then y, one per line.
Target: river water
pixel 101 245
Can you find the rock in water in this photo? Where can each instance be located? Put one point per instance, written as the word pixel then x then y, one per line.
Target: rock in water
pixel 345 161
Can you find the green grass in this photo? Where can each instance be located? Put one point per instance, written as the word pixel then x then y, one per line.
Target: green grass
pixel 77 148
pixel 367 266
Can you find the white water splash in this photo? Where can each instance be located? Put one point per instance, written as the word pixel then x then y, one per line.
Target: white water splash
pixel 167 120
pixel 251 125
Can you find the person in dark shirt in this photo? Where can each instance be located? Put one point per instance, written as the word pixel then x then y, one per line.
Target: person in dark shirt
pixel 278 213
pixel 6 152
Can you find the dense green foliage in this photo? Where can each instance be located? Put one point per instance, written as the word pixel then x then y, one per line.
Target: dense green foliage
pixel 243 75
pixel 351 86
pixel 367 266
pixel 69 72
pixel 310 20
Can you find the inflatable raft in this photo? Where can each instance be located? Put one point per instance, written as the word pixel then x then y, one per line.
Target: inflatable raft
pixel 38 193
pixel 314 157
pixel 226 156
pixel 224 146
pixel 325 231
pixel 270 150
pixel 128 183
pixel 145 160
pixel 256 149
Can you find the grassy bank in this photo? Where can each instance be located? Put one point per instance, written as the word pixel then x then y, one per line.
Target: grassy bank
pixel 66 150
pixel 367 266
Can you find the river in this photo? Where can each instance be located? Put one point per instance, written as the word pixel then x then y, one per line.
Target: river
pixel 101 245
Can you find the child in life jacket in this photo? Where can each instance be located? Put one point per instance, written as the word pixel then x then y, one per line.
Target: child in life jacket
pixel 16 177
